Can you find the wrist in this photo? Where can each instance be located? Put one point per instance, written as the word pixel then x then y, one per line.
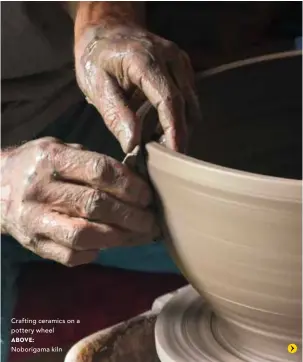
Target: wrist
pixel 94 20
pixel 105 15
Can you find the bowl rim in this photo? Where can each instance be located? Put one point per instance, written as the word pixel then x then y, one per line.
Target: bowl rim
pixel 219 177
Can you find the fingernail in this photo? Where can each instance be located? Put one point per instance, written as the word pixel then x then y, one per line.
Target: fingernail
pixel 162 140
pixel 125 145
pixel 122 133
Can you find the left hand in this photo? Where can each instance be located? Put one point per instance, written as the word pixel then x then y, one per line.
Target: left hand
pixel 65 204
pixel 123 58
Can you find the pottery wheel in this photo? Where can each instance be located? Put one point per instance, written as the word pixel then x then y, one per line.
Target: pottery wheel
pixel 188 331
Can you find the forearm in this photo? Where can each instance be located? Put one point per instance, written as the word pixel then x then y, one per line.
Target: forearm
pixel 89 14
pixel 5 188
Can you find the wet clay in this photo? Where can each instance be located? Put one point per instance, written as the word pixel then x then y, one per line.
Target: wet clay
pixel 232 214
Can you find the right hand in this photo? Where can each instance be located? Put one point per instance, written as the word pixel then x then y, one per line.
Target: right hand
pixel 65 204
pixel 124 59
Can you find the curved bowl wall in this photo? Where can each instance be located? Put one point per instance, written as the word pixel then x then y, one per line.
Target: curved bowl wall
pixel 233 212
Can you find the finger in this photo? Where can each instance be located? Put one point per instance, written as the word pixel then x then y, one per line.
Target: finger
pixel 117 114
pixel 95 205
pixel 159 88
pixel 101 172
pixel 48 249
pixel 78 233
pixel 193 109
pixel 190 74
pixel 182 73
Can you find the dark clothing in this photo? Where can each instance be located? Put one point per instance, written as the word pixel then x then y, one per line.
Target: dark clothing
pixel 38 79
pixel 82 124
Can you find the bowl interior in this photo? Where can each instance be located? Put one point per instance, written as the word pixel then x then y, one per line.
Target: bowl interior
pixel 252 117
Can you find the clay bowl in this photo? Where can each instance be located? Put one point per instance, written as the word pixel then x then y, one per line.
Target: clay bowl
pixel 232 210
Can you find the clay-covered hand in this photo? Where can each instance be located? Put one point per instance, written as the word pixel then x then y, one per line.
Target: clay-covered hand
pixel 65 204
pixel 126 58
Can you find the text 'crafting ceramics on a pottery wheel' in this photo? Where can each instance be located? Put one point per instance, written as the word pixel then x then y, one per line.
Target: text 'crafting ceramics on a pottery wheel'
pixel 233 211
